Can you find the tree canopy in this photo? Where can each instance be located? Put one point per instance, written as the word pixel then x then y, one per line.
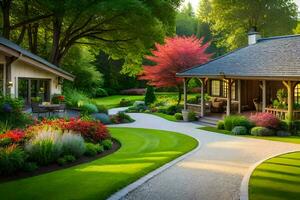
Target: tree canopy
pixel 234 18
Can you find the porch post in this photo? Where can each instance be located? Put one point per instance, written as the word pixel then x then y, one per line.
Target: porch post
pixel 240 96
pixel 202 98
pixel 185 93
pixel 228 108
pixel 264 95
pixel 290 88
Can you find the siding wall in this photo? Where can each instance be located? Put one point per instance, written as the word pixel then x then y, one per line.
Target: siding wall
pixel 21 69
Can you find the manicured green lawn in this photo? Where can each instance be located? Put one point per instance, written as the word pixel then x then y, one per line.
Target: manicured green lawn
pixel 165 116
pixel 142 151
pixel 277 179
pixel 291 139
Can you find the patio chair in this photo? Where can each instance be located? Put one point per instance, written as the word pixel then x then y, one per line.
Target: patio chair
pixel 38 110
pixel 257 104
pixel 61 109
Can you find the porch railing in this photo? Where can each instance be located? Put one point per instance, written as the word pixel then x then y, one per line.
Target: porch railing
pixel 282 113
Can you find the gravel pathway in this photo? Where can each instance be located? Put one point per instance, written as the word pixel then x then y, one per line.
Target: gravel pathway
pixel 214 172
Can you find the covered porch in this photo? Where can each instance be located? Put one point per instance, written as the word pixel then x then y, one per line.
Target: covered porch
pixel 247 96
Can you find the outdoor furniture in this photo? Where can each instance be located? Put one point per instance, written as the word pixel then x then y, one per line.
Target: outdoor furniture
pixel 217 105
pixel 35 108
pixel 51 108
pixel 61 109
pixel 257 104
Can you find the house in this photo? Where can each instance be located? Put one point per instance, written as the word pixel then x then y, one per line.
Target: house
pixel 249 78
pixel 25 75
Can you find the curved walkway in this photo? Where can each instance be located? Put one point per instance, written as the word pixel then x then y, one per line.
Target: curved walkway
pixel 214 172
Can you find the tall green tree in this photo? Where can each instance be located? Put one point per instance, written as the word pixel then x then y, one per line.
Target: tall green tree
pixel 186 22
pixel 232 19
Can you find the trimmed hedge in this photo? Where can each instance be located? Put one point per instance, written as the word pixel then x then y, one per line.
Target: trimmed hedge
pixel 262 131
pixel 236 120
pixel 240 130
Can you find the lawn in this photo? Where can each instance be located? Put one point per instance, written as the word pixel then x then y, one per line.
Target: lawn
pixel 113 101
pixel 276 179
pixel 291 139
pixel 142 151
pixel 165 116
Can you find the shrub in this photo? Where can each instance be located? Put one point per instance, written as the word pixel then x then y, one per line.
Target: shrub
pixel 93 149
pixel 178 116
pixel 107 144
pixel 58 98
pixel 12 159
pixel 72 144
pixel 265 120
pixel 70 158
pixel 125 103
pixel 100 92
pixel 73 97
pixel 240 130
pixel 220 125
pixel 29 167
pixel 121 117
pixel 45 147
pixel 236 120
pixel 192 116
pixel 283 133
pixel 283 125
pixel 261 131
pixel 295 126
pixel 61 161
pixel 149 96
pixel 103 118
pixel 171 110
pixel 88 108
pixel 102 109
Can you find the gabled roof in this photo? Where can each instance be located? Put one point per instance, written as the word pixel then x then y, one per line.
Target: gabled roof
pixel 268 58
pixel 25 53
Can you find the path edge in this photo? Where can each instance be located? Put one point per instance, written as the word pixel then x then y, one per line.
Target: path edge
pixel 129 188
pixel 244 189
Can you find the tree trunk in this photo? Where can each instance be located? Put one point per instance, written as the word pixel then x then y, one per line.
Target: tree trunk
pixel 5 7
pixel 57 26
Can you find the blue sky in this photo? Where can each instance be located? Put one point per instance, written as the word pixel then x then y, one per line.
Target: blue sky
pixel 195 2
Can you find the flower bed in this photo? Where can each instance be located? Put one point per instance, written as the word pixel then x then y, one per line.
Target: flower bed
pixel 58 142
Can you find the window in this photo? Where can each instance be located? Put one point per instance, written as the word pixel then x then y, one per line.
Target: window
pixel 215 88
pixel 297 94
pixel 1 79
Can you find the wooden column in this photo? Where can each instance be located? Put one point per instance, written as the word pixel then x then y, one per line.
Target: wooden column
pixel 264 95
pixel 240 96
pixel 202 98
pixel 228 108
pixel 185 93
pixel 290 85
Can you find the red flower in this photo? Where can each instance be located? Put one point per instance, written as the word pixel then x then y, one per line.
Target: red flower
pixel 15 135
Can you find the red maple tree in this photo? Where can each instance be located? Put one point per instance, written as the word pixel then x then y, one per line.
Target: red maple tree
pixel 175 55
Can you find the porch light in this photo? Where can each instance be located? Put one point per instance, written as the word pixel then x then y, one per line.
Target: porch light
pixel 10 84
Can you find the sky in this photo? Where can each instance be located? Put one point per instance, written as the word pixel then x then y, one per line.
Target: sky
pixel 195 3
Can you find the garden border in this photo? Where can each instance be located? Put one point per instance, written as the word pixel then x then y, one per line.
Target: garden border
pixel 244 189
pixel 129 188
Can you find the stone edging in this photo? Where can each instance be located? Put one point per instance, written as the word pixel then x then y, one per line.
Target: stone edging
pixel 129 188
pixel 244 190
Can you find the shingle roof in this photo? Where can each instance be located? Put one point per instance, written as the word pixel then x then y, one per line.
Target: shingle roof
pixel 24 52
pixel 269 57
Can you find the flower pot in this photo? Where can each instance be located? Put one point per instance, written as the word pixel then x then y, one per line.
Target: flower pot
pixel 185 114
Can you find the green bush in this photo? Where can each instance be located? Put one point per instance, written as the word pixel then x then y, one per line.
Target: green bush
pixel 221 125
pixel 12 158
pixel 61 161
pixel 72 144
pixel 74 97
pixel 124 117
pixel 102 109
pixel 283 133
pixel 93 149
pixel 107 144
pixel 236 120
pixel 125 103
pixel 178 116
pixel 192 116
pixel 45 148
pixel 283 125
pixel 295 126
pixel 100 92
pixel 262 131
pixel 150 95
pixel 88 108
pixel 29 167
pixel 239 130
pixel 104 118
pixel 70 158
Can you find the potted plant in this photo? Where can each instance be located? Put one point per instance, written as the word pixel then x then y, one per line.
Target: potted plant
pixel 185 115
